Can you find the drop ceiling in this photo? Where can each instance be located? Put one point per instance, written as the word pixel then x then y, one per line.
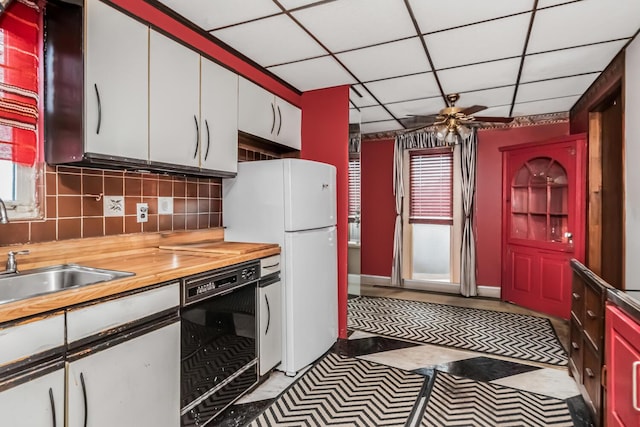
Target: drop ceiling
pixel 401 57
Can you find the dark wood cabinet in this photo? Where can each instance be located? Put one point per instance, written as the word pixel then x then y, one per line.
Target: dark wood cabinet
pixel 586 349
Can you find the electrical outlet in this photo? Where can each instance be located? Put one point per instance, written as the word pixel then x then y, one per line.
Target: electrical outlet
pixel 142 212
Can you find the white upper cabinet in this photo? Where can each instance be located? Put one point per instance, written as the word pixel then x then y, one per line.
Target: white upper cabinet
pixel 267 116
pixel 174 102
pixel 218 118
pixel 116 90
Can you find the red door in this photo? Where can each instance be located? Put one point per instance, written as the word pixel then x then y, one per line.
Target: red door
pixel 543 222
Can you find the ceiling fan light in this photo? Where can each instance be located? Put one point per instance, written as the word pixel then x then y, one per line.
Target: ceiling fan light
pixel 464 131
pixel 441 132
pixel 450 138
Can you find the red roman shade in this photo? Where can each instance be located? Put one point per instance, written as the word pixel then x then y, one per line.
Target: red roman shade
pixel 19 65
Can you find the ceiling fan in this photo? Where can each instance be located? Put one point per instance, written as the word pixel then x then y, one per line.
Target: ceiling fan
pixel 452 121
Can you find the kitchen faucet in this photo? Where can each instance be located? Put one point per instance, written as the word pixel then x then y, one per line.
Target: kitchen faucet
pixel 4 217
pixel 12 263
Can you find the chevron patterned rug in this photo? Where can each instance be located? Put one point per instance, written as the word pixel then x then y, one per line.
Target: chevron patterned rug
pixel 341 391
pixel 348 392
pixel 512 335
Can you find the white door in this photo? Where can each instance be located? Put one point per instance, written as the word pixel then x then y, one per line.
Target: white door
pixel 33 403
pixel 310 194
pixel 289 131
pixel 174 108
pixel 256 110
pixel 311 296
pixel 116 88
pixel 270 326
pixel 219 118
pixel 132 384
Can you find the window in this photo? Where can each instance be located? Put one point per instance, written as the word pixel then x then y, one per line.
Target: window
pixel 20 35
pixel 431 187
pixel 354 200
pixel 430 214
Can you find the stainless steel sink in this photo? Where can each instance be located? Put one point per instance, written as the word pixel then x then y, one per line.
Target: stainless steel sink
pixel 46 280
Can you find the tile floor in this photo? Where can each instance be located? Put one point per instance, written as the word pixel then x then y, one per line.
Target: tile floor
pixel 529 376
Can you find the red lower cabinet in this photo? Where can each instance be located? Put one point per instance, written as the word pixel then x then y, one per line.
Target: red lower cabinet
pixel 623 369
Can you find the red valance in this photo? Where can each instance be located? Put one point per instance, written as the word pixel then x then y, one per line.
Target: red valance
pixel 19 66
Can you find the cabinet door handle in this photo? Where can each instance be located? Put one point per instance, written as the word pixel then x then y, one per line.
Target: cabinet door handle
pixel 575 345
pixel 195 153
pixel 589 372
pixel 279 124
pixel 591 314
pixel 95 85
pixel 53 406
pixel 576 296
pixel 84 395
pixel 206 125
pixel 273 116
pixel 634 391
pixel 272 265
pixel 268 315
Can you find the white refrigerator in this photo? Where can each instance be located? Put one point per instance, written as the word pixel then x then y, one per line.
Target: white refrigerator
pixel 292 202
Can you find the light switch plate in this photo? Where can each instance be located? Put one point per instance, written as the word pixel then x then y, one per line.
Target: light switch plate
pixel 113 205
pixel 165 205
pixel 142 212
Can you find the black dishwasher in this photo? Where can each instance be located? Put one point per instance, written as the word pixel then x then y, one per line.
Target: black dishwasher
pixel 219 347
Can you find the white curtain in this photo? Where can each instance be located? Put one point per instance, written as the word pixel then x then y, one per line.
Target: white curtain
pixel 404 142
pixel 469 158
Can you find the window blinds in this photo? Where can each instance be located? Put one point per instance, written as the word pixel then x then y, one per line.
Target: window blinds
pixel 431 186
pixel 354 188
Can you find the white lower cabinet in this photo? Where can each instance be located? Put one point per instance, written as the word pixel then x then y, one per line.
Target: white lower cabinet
pixel 270 295
pixel 35 399
pixel 135 383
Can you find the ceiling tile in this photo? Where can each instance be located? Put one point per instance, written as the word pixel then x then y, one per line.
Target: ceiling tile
pixel 502 38
pixel 374 114
pixel 271 41
pixel 424 106
pixel 384 126
pixel 361 98
pixel 292 4
pixel 568 62
pixel 313 74
pixel 498 111
pixel 546 89
pixel 434 15
pixel 387 60
pixel 548 3
pixel 580 23
pixel 555 105
pixel 480 76
pixel 349 24
pixel 354 116
pixel 405 88
pixel 209 15
pixel 489 97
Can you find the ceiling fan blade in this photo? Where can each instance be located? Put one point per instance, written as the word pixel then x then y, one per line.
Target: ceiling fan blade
pixel 493 119
pixel 418 121
pixel 473 109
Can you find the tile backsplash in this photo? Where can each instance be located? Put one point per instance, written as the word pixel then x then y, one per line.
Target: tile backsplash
pixel 74 205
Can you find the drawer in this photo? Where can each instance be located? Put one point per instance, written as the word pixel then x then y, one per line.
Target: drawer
pixel 591 378
pixel 593 321
pixel 27 339
pixel 577 297
pixel 99 318
pixel 270 265
pixel 575 350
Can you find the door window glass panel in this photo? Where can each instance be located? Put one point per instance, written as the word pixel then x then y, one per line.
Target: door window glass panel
pixel 431 252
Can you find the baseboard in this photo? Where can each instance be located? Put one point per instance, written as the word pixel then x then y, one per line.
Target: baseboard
pixel 421 285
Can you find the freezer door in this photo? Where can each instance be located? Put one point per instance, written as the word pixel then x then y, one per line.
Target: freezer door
pixel 311 296
pixel 310 195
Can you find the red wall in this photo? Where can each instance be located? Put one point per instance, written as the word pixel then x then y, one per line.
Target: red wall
pixel 378 207
pixel 489 192
pixel 158 19
pixel 325 132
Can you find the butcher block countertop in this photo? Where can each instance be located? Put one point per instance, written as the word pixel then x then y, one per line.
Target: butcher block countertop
pixel 142 254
